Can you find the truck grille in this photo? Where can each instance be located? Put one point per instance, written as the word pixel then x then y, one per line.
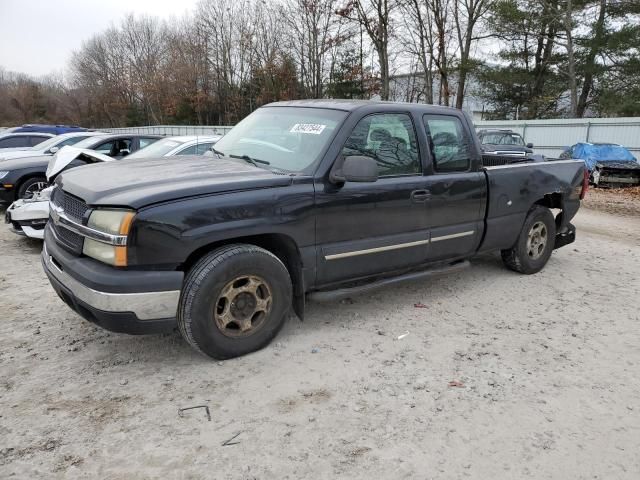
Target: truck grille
pixel 497 160
pixel 74 208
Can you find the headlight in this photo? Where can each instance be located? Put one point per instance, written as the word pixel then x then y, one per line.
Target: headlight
pixel 112 222
pixel 3 174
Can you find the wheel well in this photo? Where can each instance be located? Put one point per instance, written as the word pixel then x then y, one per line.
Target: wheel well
pixel 551 200
pixel 21 181
pixel 554 200
pixel 282 246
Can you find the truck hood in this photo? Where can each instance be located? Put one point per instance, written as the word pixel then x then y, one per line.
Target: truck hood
pixel 137 183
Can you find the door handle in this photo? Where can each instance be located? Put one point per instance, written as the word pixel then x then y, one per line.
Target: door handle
pixel 420 196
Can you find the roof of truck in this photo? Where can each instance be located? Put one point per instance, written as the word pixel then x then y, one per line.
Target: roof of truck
pixel 349 105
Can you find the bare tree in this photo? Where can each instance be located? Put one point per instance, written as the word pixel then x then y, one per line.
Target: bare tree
pixel 313 32
pixel 467 14
pixel 375 16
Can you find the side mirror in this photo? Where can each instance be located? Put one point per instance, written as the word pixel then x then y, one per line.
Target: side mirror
pixel 355 168
pixel 529 145
pixel 123 153
pixel 54 149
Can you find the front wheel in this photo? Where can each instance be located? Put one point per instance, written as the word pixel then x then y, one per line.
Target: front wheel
pixel 234 301
pixel 535 243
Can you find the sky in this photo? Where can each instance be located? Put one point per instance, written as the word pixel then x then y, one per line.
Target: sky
pixel 38 37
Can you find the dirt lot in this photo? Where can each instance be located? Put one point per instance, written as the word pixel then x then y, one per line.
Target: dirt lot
pixel 492 375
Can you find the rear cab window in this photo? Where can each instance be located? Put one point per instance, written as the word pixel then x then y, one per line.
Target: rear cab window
pixel 448 143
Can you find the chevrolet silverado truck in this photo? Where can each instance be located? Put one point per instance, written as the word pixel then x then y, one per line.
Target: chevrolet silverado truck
pixel 301 200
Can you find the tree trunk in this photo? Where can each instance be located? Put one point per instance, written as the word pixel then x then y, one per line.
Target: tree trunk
pixel 573 84
pixel 590 63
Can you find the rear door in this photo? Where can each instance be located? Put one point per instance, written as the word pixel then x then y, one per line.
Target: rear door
pixel 457 188
pixel 367 228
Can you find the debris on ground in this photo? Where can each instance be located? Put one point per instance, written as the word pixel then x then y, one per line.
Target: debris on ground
pixel 456 383
pixel 206 409
pixel 230 442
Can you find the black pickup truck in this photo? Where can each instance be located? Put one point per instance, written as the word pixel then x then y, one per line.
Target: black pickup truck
pixel 303 199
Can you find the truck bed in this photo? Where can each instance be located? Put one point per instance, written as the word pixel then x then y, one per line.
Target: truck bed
pixel 512 189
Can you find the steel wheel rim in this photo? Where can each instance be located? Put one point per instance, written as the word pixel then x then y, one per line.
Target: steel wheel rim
pixel 33 189
pixel 242 306
pixel 537 240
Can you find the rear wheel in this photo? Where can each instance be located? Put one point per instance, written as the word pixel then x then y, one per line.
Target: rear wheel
pixel 535 243
pixel 234 301
pixel 31 186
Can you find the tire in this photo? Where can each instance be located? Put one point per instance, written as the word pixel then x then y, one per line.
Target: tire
pixel 31 186
pixel 234 301
pixel 532 252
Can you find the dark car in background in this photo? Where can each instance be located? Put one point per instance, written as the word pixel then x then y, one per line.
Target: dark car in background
pixel 22 140
pixel 23 177
pixel 502 147
pixel 609 164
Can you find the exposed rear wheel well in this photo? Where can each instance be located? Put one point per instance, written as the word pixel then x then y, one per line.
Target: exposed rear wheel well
pixel 282 246
pixel 553 201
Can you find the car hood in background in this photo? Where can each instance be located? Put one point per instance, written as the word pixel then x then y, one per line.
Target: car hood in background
pixel 139 182
pixel 13 149
pixel 6 156
pixel 618 165
pixel 26 162
pixel 68 154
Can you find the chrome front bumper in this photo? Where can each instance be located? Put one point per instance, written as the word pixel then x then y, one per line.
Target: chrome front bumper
pixel 145 305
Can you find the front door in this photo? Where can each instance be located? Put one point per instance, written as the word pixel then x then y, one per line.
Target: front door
pixel 368 228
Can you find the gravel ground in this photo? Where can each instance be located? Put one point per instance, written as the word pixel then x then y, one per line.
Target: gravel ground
pixel 484 374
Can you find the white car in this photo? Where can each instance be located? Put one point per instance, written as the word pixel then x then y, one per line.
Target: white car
pixel 29 216
pixel 48 147
pixel 184 145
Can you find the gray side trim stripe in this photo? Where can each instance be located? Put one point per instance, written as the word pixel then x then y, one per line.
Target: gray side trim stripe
pixel 397 246
pixel 453 235
pixel 355 253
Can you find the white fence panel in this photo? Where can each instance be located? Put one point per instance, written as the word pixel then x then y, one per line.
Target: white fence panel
pixel 172 130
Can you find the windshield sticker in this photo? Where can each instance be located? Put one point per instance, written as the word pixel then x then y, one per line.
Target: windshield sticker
pixel 312 128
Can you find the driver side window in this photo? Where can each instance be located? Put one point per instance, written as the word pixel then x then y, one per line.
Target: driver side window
pixel 390 140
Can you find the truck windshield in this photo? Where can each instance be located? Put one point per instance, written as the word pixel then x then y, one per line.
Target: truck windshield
pixel 288 138
pixel 502 139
